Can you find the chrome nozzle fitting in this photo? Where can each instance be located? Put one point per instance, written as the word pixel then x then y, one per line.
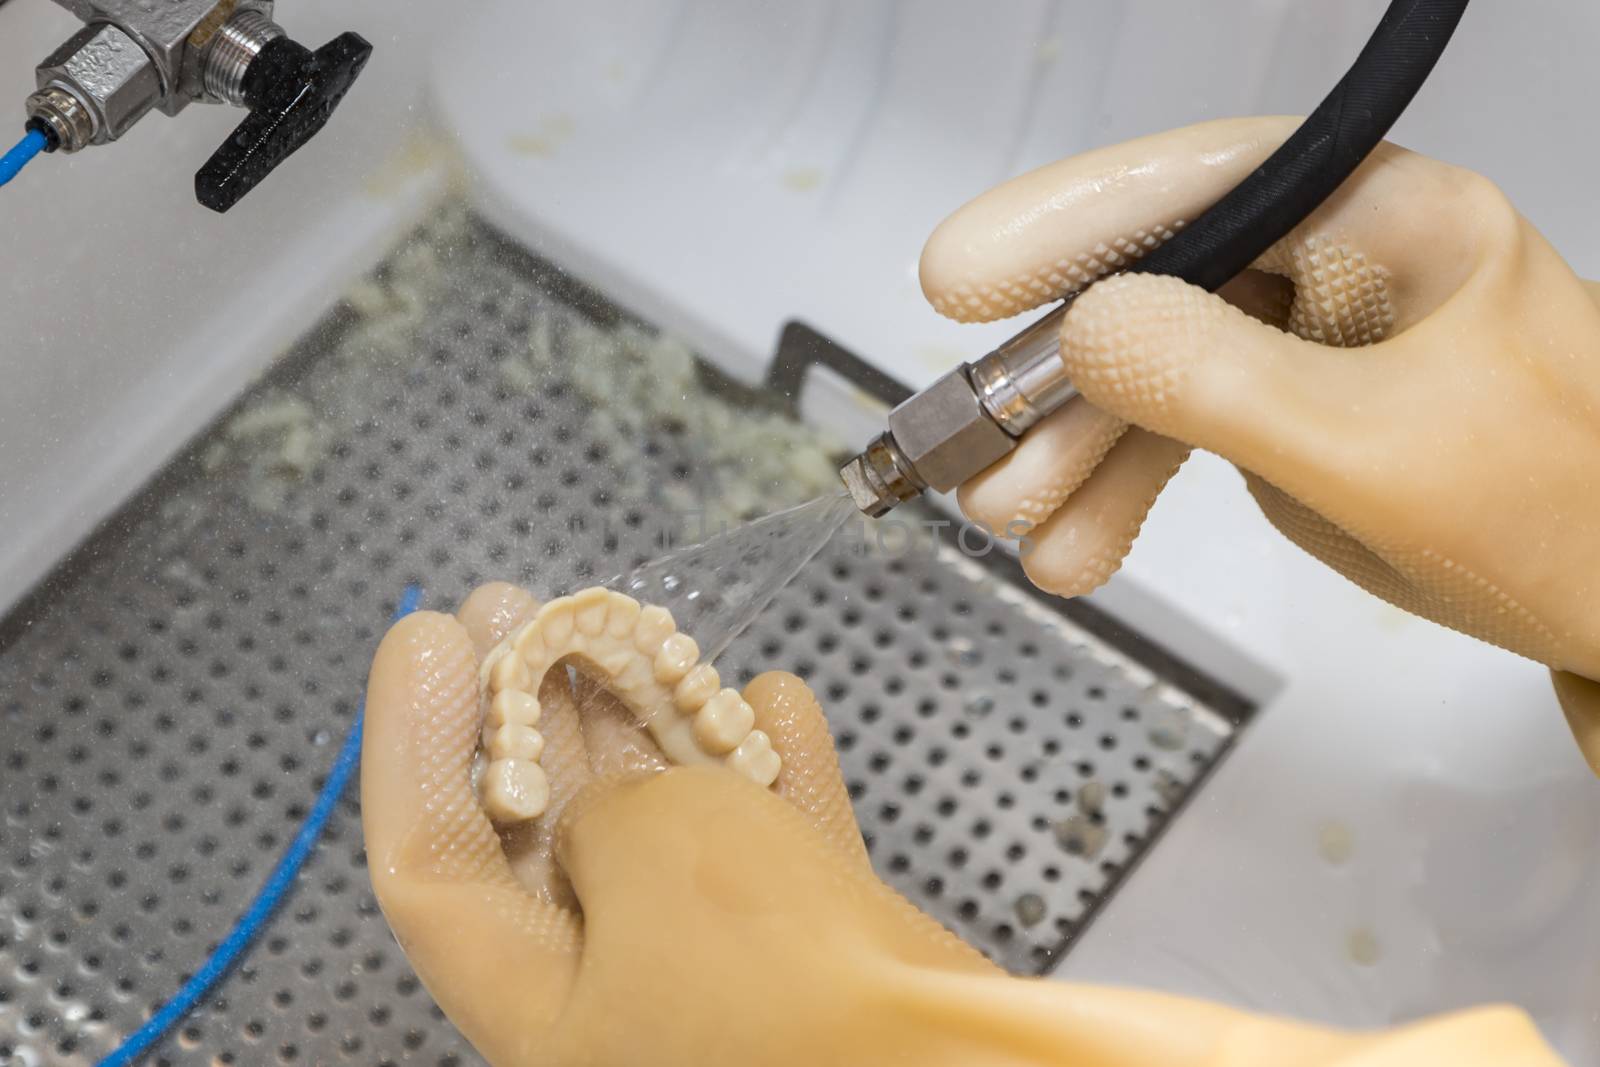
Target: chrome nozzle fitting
pixel 880 477
pixel 964 422
pixel 934 439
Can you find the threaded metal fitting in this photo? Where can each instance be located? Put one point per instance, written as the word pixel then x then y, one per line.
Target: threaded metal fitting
pixel 229 54
pixel 69 119
pixel 881 477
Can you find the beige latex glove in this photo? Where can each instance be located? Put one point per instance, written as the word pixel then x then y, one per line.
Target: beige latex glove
pixel 1413 396
pixel 693 919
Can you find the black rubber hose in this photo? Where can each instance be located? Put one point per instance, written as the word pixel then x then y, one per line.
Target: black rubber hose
pixel 1320 155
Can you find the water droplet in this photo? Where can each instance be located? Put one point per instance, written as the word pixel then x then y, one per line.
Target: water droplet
pixel 961 652
pixel 1080 836
pixel 1030 909
pixel 979 705
pixel 1168 730
pixel 1335 842
pixel 1362 947
pixel 321 737
pixel 1169 788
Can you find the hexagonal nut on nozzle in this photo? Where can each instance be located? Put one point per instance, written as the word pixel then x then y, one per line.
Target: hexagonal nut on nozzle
pixel 108 74
pixel 944 433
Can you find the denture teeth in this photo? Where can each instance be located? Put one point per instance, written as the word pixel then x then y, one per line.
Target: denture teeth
pixel 555 622
pixel 677 655
pixel 697 687
pixel 508 673
pixel 755 759
pixel 724 722
pixel 638 676
pixel 647 664
pixel 675 735
pixel 513 741
pixel 655 626
pixel 528 643
pixel 512 706
pixel 515 790
pixel 616 661
pixel 624 617
pixel 589 609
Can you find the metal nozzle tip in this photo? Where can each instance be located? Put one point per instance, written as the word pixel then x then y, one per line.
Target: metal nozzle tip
pixel 860 486
pixel 878 478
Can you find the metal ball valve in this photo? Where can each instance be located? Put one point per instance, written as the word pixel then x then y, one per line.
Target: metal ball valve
pixel 132 57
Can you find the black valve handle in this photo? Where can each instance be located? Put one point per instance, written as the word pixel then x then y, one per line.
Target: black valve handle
pixel 291 92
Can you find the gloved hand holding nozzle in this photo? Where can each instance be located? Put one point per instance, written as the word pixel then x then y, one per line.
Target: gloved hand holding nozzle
pixel 1409 383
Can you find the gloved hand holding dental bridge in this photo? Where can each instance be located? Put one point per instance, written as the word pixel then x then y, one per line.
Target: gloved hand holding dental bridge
pixel 682 881
pixel 1409 383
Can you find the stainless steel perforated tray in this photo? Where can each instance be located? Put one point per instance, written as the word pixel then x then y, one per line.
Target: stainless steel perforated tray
pixel 171 696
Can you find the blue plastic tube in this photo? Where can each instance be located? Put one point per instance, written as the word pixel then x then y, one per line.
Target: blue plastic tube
pixel 272 894
pixel 12 162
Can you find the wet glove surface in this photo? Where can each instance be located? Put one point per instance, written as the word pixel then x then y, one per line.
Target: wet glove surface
pixel 688 916
pixel 1409 383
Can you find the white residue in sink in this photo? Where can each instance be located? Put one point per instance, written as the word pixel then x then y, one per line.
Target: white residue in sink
pixel 732 461
pixel 715 460
pixel 1361 947
pixel 1335 842
pixel 268 446
pixel 282 436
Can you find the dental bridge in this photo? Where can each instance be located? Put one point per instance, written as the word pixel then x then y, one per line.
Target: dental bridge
pixel 134 56
pixel 974 415
pixel 639 654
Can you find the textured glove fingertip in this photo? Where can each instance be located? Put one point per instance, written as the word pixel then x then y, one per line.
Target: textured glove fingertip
pixel 1131 345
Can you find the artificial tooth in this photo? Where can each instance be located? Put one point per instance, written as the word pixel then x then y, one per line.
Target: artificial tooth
pixel 725 721
pixel 515 741
pixel 555 622
pixel 755 759
pixel 655 626
pixel 675 736
pixel 512 707
pixel 515 790
pixel 677 655
pixel 509 672
pixel 528 643
pixel 614 660
pixel 624 617
pixel 697 687
pixel 637 677
pixel 590 607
